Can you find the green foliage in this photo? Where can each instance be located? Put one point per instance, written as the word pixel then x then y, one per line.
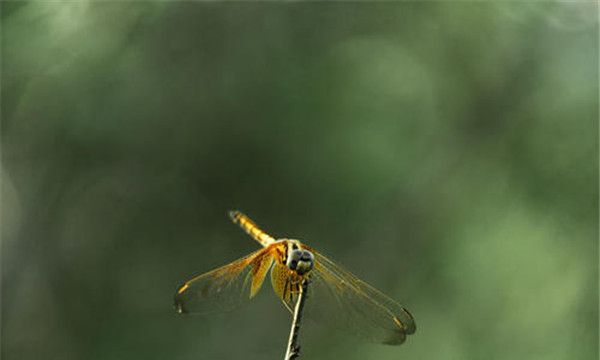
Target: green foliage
pixel 447 153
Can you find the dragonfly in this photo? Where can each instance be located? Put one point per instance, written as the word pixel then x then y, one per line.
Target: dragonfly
pixel 337 296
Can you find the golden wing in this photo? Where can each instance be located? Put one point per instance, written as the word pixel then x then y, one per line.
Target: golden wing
pixel 337 296
pixel 286 284
pixel 225 288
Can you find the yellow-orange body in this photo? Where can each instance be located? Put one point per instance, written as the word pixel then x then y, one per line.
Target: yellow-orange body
pixel 337 294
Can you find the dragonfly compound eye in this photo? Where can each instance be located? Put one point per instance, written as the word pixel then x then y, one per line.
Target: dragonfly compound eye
pixel 293 258
pixel 306 262
pixel 307 256
pixel 372 314
pixel 301 261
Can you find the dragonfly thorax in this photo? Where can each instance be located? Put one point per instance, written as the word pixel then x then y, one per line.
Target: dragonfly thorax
pixel 298 259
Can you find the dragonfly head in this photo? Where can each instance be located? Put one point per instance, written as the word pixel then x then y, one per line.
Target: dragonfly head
pixel 298 259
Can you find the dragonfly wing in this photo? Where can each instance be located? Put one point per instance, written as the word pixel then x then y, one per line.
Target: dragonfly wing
pixel 225 288
pixel 286 284
pixel 337 296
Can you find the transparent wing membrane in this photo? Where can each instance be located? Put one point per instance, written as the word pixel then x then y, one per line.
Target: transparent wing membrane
pixel 225 288
pixel 338 297
pixel 335 295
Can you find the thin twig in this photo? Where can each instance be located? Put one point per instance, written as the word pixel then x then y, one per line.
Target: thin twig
pixel 293 349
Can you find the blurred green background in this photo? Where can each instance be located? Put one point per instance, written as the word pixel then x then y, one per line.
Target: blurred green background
pixel 446 152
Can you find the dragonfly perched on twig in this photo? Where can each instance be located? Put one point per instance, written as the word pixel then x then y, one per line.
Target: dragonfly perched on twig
pixel 337 296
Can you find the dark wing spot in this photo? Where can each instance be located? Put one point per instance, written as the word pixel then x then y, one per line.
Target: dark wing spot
pixel 409 326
